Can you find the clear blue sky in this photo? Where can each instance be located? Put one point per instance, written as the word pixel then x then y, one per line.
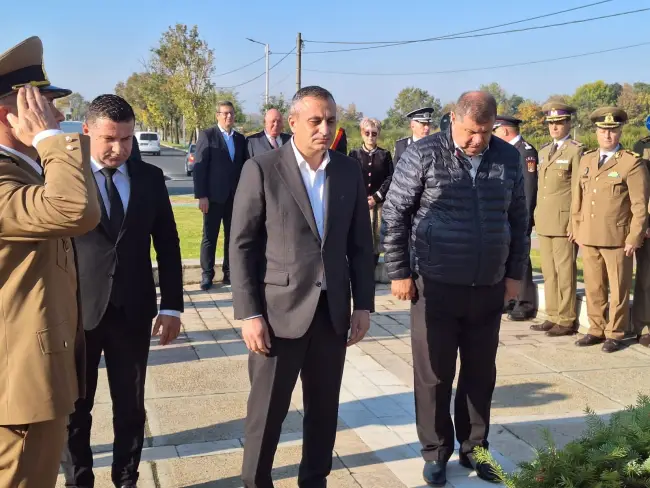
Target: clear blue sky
pixel 95 44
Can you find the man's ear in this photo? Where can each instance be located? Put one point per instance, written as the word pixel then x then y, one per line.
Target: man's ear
pixel 85 128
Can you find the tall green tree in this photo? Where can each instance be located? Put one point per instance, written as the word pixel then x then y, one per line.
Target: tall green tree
pixel 74 106
pixel 591 96
pixel 277 102
pixel 407 100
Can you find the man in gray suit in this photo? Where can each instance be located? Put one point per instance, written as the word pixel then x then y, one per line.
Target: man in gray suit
pixel 301 248
pixel 271 137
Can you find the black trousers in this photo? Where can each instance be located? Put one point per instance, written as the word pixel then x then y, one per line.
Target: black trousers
pixel 318 357
pixel 217 212
pixel 446 319
pixel 527 300
pixel 126 350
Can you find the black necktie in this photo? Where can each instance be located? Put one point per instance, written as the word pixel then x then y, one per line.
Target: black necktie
pixel 602 160
pixel 553 149
pixel 115 201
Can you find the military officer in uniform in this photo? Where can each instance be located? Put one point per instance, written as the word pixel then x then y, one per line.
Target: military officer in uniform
pixel 641 302
pixel 507 128
pixel 421 120
pixel 609 211
pixel 559 161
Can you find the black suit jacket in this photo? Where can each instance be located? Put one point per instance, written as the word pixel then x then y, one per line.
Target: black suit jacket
pixel 276 255
pixel 258 143
pixel 529 161
pixel 125 264
pixel 216 175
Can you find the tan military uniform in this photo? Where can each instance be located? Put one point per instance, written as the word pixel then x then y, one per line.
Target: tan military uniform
pixel 609 210
pixel 557 175
pixel 641 303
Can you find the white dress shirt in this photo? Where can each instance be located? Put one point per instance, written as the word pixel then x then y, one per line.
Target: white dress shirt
pixel 122 183
pixel 561 141
pixel 515 139
pixel 608 154
pixel 278 139
pixel 37 138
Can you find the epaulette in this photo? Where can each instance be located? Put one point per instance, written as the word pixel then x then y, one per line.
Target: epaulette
pixel 527 146
pixel 632 153
pixel 646 139
pixel 576 143
pixel 590 151
pixel 545 145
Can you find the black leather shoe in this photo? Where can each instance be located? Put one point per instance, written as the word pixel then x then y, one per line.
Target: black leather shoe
pixel 483 470
pixel 589 340
pixel 520 314
pixel 206 283
pixel 560 330
pixel 509 307
pixel 612 345
pixel 435 473
pixel 547 325
pixel 644 340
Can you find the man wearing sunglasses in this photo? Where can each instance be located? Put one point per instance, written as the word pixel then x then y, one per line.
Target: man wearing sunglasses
pixel 220 155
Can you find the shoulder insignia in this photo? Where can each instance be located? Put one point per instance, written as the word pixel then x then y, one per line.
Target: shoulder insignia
pixel 636 155
pixel 576 143
pixel 545 145
pixel 527 146
pixel 589 152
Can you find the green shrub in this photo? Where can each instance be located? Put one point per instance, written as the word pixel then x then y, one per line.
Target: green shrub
pixel 615 454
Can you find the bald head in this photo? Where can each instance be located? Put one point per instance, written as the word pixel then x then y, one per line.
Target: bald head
pixel 480 106
pixel 273 122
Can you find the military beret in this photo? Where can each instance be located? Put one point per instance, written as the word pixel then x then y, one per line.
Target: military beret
pixel 506 120
pixel 424 114
pixel 23 65
pixel 608 117
pixel 555 111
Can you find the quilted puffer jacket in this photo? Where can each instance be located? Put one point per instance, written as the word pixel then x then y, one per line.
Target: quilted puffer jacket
pixel 441 223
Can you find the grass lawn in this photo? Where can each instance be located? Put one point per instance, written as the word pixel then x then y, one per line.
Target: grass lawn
pixel 189 222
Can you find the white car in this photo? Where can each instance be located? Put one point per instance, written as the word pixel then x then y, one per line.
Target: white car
pixel 149 142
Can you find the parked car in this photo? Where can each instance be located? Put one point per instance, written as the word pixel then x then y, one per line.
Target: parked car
pixel 148 142
pixel 72 126
pixel 189 159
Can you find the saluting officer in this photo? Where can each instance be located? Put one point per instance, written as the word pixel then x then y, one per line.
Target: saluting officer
pixel 507 128
pixel 558 174
pixel 421 120
pixel 641 302
pixel 609 210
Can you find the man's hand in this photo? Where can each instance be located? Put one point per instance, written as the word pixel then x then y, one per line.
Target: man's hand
pixel 359 325
pixel 629 250
pixel 171 327
pixel 403 289
pixel 204 204
pixel 256 335
pixel 34 115
pixel 647 233
pixel 571 237
pixel 371 202
pixel 512 289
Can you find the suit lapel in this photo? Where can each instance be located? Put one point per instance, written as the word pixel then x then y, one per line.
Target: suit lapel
pixel 104 223
pixel 289 171
pixel 608 164
pixel 135 189
pixel 332 180
pixel 223 141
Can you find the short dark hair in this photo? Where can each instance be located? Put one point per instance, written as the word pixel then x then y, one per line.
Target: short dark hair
pixel 481 106
pixel 110 107
pixel 225 103
pixel 310 91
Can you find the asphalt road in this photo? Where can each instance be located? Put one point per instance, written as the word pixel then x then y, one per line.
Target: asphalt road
pixel 172 162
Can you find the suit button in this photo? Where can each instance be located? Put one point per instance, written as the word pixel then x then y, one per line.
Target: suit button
pixel 318 284
pixel 65 344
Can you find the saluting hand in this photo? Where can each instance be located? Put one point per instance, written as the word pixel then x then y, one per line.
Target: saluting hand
pixel 35 115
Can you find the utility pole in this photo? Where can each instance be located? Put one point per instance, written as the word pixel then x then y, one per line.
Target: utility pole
pixel 266 98
pixel 298 61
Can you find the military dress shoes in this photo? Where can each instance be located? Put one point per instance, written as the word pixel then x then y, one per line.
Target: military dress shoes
pixel 644 340
pixel 435 473
pixel 483 470
pixel 559 330
pixel 589 340
pixel 544 327
pixel 612 345
pixel 519 314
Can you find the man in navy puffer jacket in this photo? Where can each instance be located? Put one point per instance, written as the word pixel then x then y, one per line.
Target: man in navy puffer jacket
pixel 454 230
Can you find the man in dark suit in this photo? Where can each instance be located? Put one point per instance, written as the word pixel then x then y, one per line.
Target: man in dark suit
pixel 220 155
pixel 271 137
pixel 135 151
pixel 507 128
pixel 117 290
pixel 301 248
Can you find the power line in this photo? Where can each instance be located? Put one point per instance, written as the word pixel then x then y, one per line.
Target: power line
pixel 258 76
pixel 484 68
pixel 486 34
pixel 467 32
pixel 241 67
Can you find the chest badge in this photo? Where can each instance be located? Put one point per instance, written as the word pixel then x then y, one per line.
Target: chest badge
pixel 613 174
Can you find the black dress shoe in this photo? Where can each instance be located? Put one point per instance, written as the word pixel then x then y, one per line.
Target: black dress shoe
pixel 612 345
pixel 435 473
pixel 547 325
pixel 483 470
pixel 206 283
pixel 644 340
pixel 589 340
pixel 509 307
pixel 560 330
pixel 520 314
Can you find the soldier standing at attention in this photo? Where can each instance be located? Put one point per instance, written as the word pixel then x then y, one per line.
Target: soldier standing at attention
pixel 641 302
pixel 421 120
pixel 609 211
pixel 558 174
pixel 507 128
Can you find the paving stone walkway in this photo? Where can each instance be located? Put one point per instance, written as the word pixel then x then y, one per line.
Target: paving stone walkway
pixel 197 390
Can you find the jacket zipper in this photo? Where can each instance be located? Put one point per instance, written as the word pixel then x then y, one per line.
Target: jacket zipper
pixel 477 223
